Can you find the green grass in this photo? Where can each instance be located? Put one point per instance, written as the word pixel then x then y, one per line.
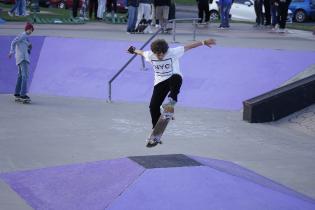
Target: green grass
pixel 187 2
pixel 300 26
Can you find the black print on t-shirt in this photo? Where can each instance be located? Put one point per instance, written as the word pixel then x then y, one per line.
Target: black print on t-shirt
pixel 163 68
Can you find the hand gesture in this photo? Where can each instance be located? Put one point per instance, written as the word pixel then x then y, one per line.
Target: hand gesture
pixel 131 50
pixel 209 42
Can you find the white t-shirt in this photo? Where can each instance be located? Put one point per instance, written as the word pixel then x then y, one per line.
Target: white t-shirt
pixel 164 69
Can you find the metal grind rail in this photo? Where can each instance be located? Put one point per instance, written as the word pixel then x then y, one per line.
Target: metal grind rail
pixel 128 62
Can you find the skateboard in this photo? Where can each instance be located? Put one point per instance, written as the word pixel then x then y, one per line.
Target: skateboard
pixel 24 101
pixel 159 128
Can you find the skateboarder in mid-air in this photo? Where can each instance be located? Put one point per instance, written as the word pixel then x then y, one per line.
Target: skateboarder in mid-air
pixel 167 76
pixel 21 47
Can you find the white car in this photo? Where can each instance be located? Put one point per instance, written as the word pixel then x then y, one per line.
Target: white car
pixel 241 10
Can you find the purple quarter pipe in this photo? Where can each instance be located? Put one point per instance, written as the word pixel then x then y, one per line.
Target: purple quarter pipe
pixel 219 77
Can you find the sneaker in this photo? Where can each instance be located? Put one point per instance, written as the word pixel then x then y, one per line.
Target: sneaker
pixel 281 30
pixel 17 95
pixel 168 107
pixel 10 14
pixel 25 97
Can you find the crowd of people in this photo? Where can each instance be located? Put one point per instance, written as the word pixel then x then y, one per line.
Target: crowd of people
pixel 94 9
pixel 158 12
pixel 274 16
pixel 149 13
pixel 275 13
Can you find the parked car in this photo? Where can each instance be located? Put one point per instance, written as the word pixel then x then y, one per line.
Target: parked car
pixel 302 10
pixel 241 10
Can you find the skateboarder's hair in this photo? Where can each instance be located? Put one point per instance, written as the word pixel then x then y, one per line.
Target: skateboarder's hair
pixel 159 46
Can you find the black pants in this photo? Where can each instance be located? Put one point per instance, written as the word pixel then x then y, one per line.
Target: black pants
pixel 203 7
pixel 93 5
pixel 172 86
pixel 111 5
pixel 75 7
pixel 258 11
pixel 283 13
pixel 267 12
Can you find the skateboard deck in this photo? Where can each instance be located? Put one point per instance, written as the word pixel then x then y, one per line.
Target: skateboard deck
pixel 160 127
pixel 24 101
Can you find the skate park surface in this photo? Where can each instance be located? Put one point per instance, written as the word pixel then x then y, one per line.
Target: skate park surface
pixel 71 132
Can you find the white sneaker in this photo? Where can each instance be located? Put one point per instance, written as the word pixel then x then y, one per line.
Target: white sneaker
pixel 10 14
pixel 168 109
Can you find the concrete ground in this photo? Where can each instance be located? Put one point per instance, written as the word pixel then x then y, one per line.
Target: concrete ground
pixel 56 131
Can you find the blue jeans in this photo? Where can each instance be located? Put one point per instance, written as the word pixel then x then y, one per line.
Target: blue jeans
pixel 21 83
pixel 17 6
pixel 132 18
pixel 274 11
pixel 225 13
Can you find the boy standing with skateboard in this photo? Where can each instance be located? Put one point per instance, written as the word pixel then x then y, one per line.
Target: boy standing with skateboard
pixel 21 47
pixel 167 76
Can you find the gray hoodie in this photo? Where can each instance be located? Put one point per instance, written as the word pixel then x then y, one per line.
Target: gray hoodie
pixel 21 47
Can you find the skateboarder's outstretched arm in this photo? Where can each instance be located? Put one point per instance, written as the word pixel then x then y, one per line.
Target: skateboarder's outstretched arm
pixel 133 50
pixel 208 42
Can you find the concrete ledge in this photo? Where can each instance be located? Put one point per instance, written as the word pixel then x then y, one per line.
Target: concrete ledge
pixel 280 102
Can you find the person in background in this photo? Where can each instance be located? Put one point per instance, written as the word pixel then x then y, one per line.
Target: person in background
pixel 132 15
pixel 203 9
pixel 225 6
pixel 101 9
pixel 283 14
pixel 111 8
pixel 259 14
pixel 162 8
pixel 274 13
pixel 21 47
pixel 93 5
pixel 172 12
pixel 17 9
pixel 83 10
pixel 75 7
pixel 267 12
pixel 144 12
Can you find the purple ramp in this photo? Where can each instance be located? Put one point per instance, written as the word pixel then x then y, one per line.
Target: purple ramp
pixel 90 186
pixel 82 68
pixel 224 77
pixel 8 69
pixel 219 77
pixel 236 170
pixel 202 188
